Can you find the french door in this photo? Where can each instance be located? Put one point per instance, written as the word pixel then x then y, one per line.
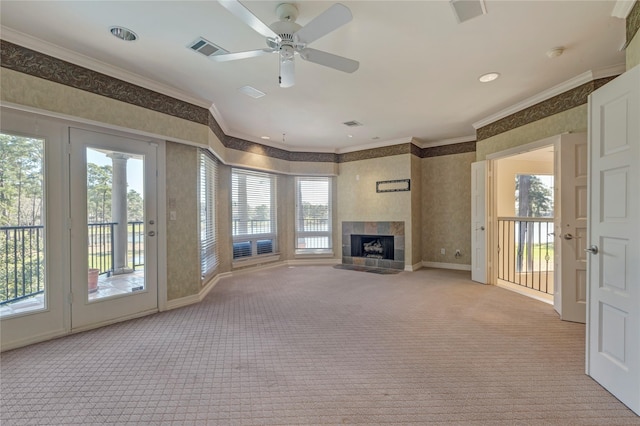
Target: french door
pixel 113 228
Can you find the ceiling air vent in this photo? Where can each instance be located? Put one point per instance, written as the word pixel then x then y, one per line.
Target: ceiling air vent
pixel 206 47
pixel 468 9
pixel 352 123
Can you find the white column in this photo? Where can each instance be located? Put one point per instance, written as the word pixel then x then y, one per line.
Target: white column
pixel 119 212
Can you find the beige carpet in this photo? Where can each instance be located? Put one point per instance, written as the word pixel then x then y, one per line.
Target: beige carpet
pixel 318 345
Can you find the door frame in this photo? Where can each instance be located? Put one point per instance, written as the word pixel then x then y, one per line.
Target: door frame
pixel 86 314
pixel 63 123
pixel 492 202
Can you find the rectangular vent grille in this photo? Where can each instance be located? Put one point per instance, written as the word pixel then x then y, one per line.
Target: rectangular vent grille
pixel 352 123
pixel 207 48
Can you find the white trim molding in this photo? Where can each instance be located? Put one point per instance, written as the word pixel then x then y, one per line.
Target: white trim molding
pixel 622 8
pixel 75 58
pixel 196 298
pixel 452 141
pixel 413 268
pixel 442 265
pixel 572 83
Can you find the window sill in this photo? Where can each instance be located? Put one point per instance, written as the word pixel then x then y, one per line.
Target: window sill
pixel 314 253
pixel 255 260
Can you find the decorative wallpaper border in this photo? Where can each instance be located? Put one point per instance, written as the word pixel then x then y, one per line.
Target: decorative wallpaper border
pixel 559 103
pixel 385 151
pixel 40 65
pixel 47 67
pixel 458 148
pixel 633 21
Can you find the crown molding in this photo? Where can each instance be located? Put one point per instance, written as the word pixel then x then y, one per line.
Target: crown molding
pixel 572 83
pixel 58 52
pixel 219 119
pixel 443 142
pixel 373 145
pixel 622 8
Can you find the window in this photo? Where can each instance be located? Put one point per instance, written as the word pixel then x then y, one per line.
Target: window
pixel 253 196
pixel 313 214
pixel 208 231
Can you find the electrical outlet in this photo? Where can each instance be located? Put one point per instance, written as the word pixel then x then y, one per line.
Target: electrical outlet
pixel 442 251
pixel 458 253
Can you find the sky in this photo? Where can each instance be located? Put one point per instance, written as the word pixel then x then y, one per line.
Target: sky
pixel 135 170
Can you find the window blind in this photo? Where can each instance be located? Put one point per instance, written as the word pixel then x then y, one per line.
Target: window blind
pixel 313 213
pixel 208 228
pixel 253 197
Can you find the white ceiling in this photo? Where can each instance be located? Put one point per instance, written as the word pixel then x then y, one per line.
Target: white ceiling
pixel 418 75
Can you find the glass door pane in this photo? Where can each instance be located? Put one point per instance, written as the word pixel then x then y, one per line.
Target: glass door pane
pixel 115 223
pixel 22 248
pixel 113 228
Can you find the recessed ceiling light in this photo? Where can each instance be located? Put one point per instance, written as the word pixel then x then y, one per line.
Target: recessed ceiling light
pixel 123 33
pixel 485 78
pixel 349 136
pixel 266 138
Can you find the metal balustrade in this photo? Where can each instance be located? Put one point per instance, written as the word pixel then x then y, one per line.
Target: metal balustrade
pixel 525 252
pixel 22 264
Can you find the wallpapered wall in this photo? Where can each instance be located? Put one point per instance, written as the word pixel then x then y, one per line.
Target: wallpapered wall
pixel 572 120
pixel 359 201
pixel 183 257
pixel 446 208
pixel 633 48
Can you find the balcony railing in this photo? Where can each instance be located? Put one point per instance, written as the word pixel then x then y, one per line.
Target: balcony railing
pixel 22 262
pixel 525 247
pixel 22 256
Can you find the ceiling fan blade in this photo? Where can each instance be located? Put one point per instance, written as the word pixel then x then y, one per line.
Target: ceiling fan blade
pixel 329 20
pixel 240 55
pixel 329 60
pixel 287 72
pixel 246 16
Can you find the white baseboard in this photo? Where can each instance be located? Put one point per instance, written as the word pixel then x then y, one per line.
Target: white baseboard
pixel 414 267
pixel 442 265
pixel 195 298
pixel 317 261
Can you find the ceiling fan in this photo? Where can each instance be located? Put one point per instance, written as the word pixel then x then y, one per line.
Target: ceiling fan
pixel 287 38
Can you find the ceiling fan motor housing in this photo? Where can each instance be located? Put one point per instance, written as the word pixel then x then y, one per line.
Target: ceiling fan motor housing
pixel 285 31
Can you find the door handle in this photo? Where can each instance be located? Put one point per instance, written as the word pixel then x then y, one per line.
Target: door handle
pixel 151 233
pixel 568 237
pixel 593 249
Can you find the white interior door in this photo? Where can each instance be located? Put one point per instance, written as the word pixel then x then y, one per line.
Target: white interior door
pixel 613 336
pixel 478 222
pixel 570 298
pixel 113 227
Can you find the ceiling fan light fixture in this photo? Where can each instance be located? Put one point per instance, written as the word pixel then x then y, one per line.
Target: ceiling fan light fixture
pixel 123 33
pixel 486 78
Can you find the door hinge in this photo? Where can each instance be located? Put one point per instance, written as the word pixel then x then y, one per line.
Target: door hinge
pixel 68 223
pixel 70 298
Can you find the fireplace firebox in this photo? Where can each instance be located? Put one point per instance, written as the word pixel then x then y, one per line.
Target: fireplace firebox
pixel 372 246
